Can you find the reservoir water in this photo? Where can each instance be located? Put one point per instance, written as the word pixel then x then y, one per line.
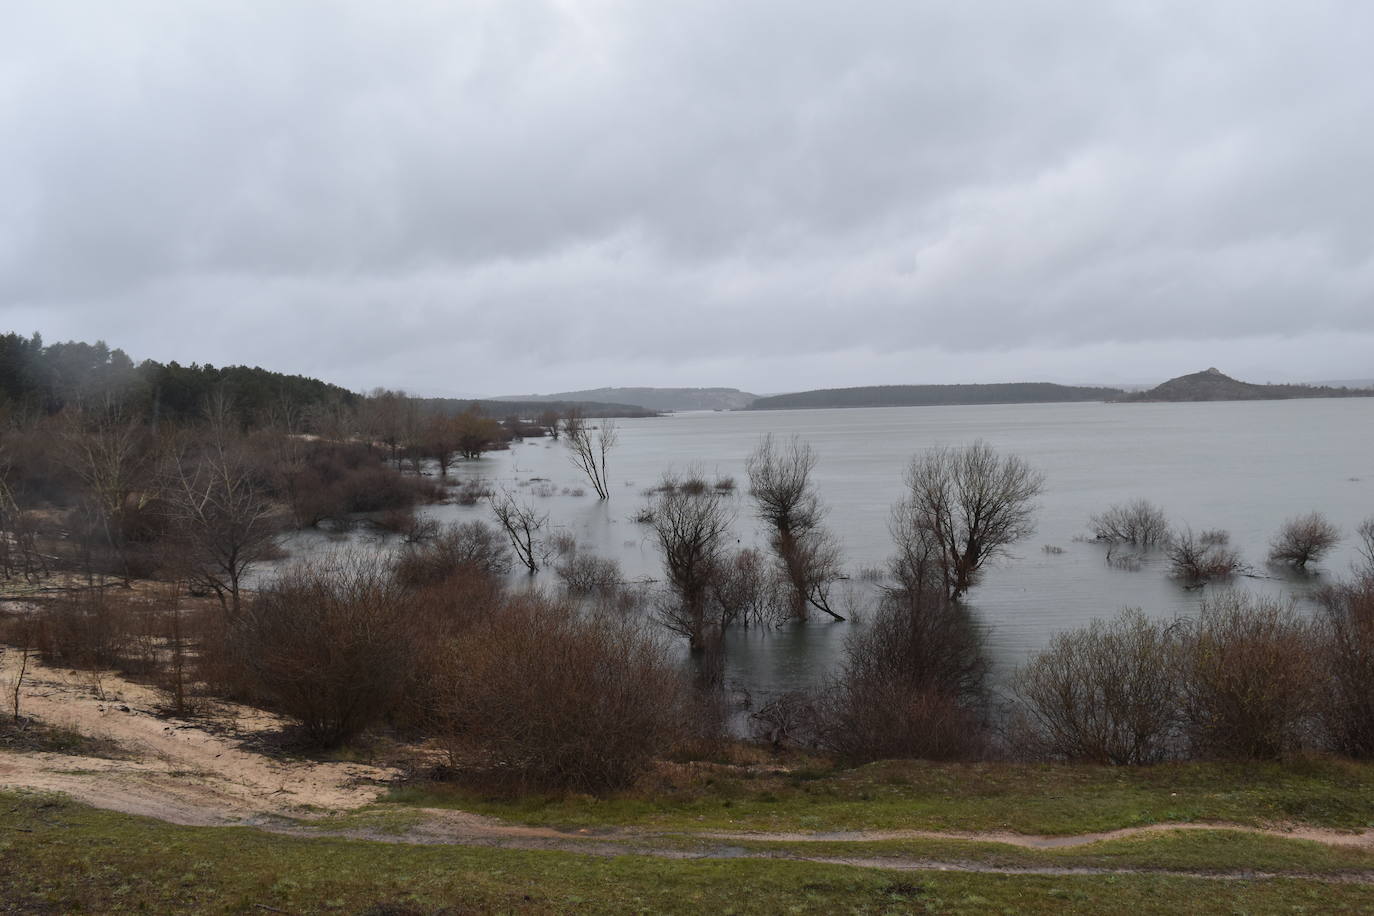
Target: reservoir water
pixel 1240 466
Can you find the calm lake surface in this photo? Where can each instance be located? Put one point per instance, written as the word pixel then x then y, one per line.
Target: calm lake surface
pixel 1240 466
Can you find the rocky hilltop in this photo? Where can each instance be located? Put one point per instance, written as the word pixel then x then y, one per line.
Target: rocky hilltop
pixel 1215 385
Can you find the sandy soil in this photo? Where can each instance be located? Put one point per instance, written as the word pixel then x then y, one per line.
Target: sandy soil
pixel 185 771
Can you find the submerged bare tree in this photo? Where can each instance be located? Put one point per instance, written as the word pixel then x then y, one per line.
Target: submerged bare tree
pixel 589 446
pixel 691 525
pixel 1302 540
pixel 1138 522
pixel 965 506
pixel 1365 532
pixel 785 499
pixel 522 524
pixel 1197 559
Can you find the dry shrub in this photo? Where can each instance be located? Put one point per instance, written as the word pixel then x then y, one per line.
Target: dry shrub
pixel 1106 693
pixel 1348 639
pixel 330 645
pixel 472 548
pixel 1249 671
pixel 912 685
pixel 98 628
pixel 1202 559
pixel 586 574
pixel 537 695
pixel 787 720
pixel 1138 522
pixel 471 492
pixel 1302 540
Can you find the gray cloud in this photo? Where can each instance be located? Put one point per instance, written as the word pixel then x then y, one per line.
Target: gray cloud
pixel 516 196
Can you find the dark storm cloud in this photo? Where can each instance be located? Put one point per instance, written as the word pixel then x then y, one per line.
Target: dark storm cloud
pixel 524 196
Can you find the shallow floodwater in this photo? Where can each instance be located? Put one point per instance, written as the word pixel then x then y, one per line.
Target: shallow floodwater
pixel 1242 467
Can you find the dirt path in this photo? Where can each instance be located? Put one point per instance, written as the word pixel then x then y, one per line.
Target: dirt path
pixel 198 773
pixel 1363 838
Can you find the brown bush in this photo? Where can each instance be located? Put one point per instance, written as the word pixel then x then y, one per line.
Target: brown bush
pixel 472 548
pixel 1197 560
pixel 1106 693
pixel 1347 629
pixel 912 685
pixel 1302 540
pixel 329 645
pixel 1250 677
pixel 586 574
pixel 536 695
pixel 97 628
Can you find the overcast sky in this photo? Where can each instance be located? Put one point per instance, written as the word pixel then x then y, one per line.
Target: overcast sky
pixel 506 197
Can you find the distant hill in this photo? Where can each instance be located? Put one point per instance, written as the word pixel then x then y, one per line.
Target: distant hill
pixel 652 398
pixel 500 408
pixel 1214 385
pixel 933 395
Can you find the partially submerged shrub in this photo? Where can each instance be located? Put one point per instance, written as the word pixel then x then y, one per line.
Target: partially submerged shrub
pixel 474 548
pixel 1250 678
pixel 1139 522
pixel 1197 560
pixel 588 574
pixel 912 685
pixel 1105 693
pixel 1302 540
pixel 541 696
pixel 471 492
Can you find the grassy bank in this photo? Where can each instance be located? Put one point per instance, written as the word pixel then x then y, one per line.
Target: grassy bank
pixel 893 795
pixel 61 857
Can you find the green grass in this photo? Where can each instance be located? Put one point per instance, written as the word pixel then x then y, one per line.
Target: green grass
pixel 966 797
pixel 61 857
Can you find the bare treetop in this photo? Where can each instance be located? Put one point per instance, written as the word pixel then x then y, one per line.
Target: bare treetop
pixel 780 483
pixel 971 503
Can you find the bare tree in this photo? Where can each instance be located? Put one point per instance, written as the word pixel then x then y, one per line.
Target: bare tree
pixel 522 524
pixel 1138 522
pixel 106 450
pixel 550 420
pixel 218 513
pixel 441 441
pixel 23 652
pixel 1302 540
pixel 589 447
pixel 475 433
pixel 967 505
pixel 785 499
pixel 19 553
pixel 691 526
